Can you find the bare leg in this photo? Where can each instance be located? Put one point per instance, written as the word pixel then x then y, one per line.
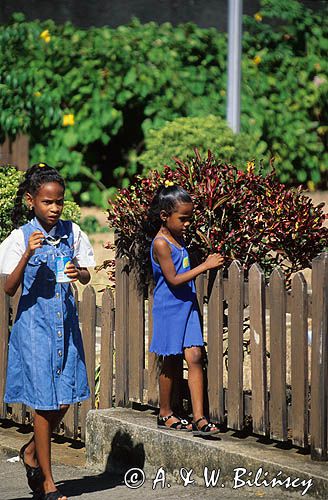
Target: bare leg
pixel 30 452
pixel 44 423
pixel 193 356
pixel 168 375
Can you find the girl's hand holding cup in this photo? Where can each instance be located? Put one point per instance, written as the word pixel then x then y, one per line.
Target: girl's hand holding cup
pixel 72 272
pixel 214 261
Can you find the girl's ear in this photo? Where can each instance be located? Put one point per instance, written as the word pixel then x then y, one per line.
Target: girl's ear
pixel 163 215
pixel 29 200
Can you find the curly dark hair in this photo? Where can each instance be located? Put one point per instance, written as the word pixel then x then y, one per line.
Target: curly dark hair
pixel 34 178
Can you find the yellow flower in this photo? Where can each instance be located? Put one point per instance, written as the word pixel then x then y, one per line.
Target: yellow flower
pixel 168 183
pixel 257 60
pixel 41 165
pixel 222 92
pixel 45 35
pixel 250 166
pixel 37 93
pixel 311 185
pixel 68 120
pixel 258 17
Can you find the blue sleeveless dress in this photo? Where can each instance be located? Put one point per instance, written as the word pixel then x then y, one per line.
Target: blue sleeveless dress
pixel 176 322
pixel 46 365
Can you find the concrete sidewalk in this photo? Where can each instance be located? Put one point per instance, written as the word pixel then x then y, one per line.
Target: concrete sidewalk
pixel 173 464
pixel 121 439
pixel 90 485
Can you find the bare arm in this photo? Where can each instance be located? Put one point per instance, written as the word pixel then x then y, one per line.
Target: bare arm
pixel 15 278
pixel 162 253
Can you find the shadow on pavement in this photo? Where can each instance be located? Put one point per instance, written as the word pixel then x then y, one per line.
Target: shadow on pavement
pixel 124 455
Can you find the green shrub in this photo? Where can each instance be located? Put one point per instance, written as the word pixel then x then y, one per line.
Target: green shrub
pixel 10 178
pixel 179 137
pixel 89 97
pixel 90 224
pixel 245 215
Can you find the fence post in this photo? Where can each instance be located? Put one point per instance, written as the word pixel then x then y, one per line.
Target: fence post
pixel 319 358
pixel 107 350
pixel 70 420
pixel 88 316
pixel 153 363
pixel 215 345
pixel 299 360
pixel 260 414
pixel 18 410
pixel 136 326
pixel 200 280
pixel 4 332
pixel 235 346
pixel 278 401
pixel 121 332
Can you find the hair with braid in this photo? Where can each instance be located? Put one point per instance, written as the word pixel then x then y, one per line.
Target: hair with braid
pixel 34 178
pixel 166 198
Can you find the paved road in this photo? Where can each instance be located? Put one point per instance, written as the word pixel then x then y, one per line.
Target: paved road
pixel 89 485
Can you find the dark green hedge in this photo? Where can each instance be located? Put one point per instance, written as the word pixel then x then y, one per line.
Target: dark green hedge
pixel 88 98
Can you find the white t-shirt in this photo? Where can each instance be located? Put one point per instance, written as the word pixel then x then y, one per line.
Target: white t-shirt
pixel 13 247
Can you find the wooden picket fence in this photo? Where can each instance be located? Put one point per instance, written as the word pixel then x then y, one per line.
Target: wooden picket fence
pixel 279 325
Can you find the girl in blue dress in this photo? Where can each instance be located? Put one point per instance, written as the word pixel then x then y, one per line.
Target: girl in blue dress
pixel 176 325
pixel 46 365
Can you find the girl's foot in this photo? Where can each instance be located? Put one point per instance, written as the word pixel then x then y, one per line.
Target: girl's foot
pixel 54 495
pixel 51 492
pixel 172 423
pixel 203 427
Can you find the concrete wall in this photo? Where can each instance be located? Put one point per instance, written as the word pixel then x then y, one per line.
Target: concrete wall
pixel 86 13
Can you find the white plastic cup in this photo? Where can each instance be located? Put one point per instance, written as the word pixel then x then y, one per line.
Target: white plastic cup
pixel 61 264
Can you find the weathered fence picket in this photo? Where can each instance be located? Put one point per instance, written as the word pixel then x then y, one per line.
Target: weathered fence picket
pixel 215 345
pixel 278 402
pixel 136 327
pixel 129 372
pixel 122 332
pixel 319 360
pixel 299 360
pixel 88 317
pixel 107 350
pixel 260 415
pixel 153 368
pixel 235 346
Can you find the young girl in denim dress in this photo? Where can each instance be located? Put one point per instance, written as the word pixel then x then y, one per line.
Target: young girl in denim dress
pixel 176 325
pixel 46 365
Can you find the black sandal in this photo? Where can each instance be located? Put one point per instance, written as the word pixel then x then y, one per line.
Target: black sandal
pixel 53 495
pixel 34 474
pixel 205 430
pixel 175 426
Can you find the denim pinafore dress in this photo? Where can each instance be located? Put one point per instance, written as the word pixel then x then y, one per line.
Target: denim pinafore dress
pixel 46 364
pixel 176 322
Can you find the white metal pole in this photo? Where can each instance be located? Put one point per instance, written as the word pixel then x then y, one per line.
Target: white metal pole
pixel 234 63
